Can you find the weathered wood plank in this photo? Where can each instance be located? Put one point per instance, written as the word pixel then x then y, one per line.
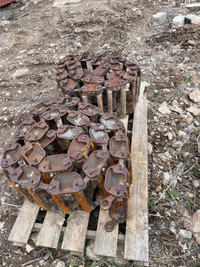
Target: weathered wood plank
pixel 105 242
pixel 125 122
pixel 24 223
pixel 18 244
pixel 51 229
pixel 91 235
pixel 75 232
pixel 136 239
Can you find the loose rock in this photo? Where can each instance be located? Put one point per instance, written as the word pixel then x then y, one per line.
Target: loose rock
pixel 194 110
pixel 193 224
pixel 160 18
pixel 164 109
pixel 193 19
pixel 178 21
pixel 184 234
pixel 166 178
pixel 195 96
pixel 193 7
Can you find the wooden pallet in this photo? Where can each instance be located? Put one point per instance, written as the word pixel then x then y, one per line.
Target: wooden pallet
pixel 76 232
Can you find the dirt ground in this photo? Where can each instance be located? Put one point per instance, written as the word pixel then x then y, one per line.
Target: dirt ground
pixel 35 34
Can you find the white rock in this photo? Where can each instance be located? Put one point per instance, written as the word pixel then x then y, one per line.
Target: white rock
pixel 196 183
pixel 193 7
pixel 29 248
pixel 186 155
pixel 182 135
pixel 178 21
pixel 60 264
pixel 160 18
pixel 19 73
pixel 176 109
pixel 78 44
pixel 170 136
pixel 194 110
pixel 172 227
pixel 193 19
pixel 166 178
pixel 195 96
pixel 164 109
pixel 184 234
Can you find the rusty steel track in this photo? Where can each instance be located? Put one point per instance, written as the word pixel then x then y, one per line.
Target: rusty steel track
pixel 110 82
pixel 71 155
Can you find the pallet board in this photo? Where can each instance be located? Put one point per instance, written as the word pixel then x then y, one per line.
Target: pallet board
pixel 136 240
pixel 51 229
pixel 103 240
pixel 24 223
pixel 76 232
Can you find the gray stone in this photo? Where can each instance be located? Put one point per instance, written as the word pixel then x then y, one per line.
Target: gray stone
pixel 194 110
pixel 176 109
pixel 195 96
pixel 178 21
pixel 60 264
pixel 29 248
pixel 196 183
pixel 170 136
pixel 164 109
pixel 172 227
pixel 20 72
pixel 193 19
pixel 57 263
pixel 162 227
pixel 193 224
pixel 182 135
pixel 166 178
pixel 193 7
pixel 160 18
pixel 184 234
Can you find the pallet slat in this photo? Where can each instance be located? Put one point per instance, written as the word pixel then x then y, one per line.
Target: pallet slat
pixel 105 242
pixel 125 122
pixel 51 229
pixel 24 223
pixel 75 232
pixel 136 239
pixel 91 235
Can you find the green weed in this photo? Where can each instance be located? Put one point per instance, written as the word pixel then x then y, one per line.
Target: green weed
pixel 151 203
pixel 50 253
pixel 173 192
pixel 195 172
